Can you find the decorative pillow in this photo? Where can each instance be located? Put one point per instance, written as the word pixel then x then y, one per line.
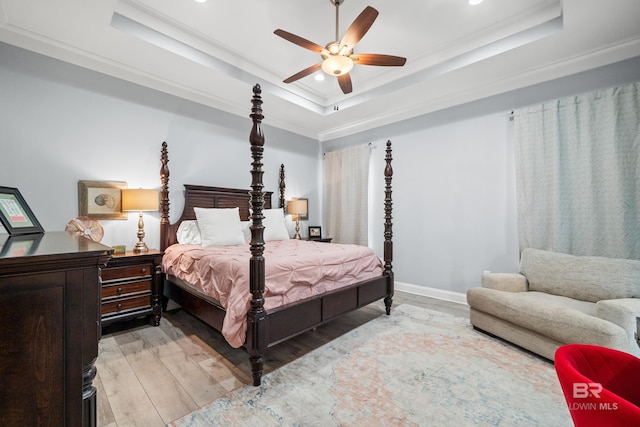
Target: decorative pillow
pixel 188 233
pixel 219 227
pixel 274 225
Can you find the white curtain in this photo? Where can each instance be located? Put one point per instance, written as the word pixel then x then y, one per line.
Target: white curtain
pixel 347 173
pixel 578 174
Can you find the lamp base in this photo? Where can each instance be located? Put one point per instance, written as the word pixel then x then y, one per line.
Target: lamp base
pixel 140 248
pixel 297 235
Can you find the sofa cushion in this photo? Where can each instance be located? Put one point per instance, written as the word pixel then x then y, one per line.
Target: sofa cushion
pixel 586 278
pixel 563 319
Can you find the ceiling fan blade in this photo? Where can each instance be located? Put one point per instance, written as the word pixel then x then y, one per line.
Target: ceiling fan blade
pixel 344 81
pixel 359 27
pixel 377 59
pixel 303 73
pixel 314 47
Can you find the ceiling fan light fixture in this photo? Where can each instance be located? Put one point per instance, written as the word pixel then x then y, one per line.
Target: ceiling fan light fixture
pixel 337 65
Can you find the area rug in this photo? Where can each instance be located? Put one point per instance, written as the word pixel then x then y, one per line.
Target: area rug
pixel 416 367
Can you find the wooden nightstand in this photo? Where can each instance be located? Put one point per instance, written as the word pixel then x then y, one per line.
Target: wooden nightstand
pixel 132 287
pixel 319 239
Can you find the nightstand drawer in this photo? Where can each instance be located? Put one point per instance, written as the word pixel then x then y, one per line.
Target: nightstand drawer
pixel 131 288
pixel 124 289
pixel 126 304
pixel 120 273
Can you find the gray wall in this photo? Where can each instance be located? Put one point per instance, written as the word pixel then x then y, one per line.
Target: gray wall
pixel 454 210
pixel 454 197
pixel 62 123
pixel 454 186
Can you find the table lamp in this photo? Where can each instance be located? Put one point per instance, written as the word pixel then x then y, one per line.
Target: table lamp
pixel 140 200
pixel 297 208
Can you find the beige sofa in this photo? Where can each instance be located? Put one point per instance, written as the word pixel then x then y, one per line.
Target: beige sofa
pixel 558 299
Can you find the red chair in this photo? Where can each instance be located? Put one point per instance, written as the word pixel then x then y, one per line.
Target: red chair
pixel 601 385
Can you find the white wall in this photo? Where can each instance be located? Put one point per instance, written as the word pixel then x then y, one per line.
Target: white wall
pixel 61 124
pixel 454 210
pixel 454 207
pixel 454 187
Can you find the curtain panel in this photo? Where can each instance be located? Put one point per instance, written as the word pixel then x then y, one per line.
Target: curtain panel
pixel 347 175
pixel 578 174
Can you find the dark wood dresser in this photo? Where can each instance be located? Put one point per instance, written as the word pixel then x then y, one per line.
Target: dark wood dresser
pixel 49 328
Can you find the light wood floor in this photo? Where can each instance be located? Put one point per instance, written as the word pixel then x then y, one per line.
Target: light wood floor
pixel 149 376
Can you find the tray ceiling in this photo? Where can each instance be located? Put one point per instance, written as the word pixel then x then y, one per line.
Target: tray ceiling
pixel 213 52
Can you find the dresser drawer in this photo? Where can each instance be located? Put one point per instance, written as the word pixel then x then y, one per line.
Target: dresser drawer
pixel 124 289
pixel 126 304
pixel 121 273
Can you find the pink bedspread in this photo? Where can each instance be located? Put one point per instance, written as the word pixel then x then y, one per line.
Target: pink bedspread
pixel 295 269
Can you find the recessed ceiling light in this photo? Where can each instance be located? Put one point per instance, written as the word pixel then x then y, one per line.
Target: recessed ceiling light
pixel 201 1
pixel 471 2
pixel 319 77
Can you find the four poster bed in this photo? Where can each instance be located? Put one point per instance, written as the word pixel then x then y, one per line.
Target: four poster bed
pixel 284 287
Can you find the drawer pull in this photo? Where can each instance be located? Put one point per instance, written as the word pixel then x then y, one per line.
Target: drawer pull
pixel 119 307
pixel 143 270
pixel 119 291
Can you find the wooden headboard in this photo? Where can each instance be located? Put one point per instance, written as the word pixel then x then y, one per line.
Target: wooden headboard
pixel 200 196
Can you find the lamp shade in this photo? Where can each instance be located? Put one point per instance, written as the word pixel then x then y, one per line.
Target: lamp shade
pixel 139 200
pixel 297 207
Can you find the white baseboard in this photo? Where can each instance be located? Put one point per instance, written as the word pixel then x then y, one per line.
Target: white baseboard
pixel 457 297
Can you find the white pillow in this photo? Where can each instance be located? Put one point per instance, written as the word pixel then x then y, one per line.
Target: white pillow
pixel 219 227
pixel 188 233
pixel 274 225
pixel 246 230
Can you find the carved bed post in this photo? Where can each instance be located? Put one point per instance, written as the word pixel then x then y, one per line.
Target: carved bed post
pixel 388 232
pixel 256 333
pixel 164 198
pixel 281 186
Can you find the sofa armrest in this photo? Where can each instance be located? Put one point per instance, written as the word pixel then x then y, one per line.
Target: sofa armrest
pixel 510 282
pixel 623 312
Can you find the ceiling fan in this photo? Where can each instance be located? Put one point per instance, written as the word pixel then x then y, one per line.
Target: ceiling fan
pixel 338 57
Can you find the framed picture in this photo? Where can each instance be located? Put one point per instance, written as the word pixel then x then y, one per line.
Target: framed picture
pixel 101 199
pixel 315 232
pixel 15 214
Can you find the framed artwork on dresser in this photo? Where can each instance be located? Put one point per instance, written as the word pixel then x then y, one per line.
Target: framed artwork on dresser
pixel 101 199
pixel 15 214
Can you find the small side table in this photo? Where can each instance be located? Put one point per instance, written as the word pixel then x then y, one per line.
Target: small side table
pixel 132 287
pixel 319 239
